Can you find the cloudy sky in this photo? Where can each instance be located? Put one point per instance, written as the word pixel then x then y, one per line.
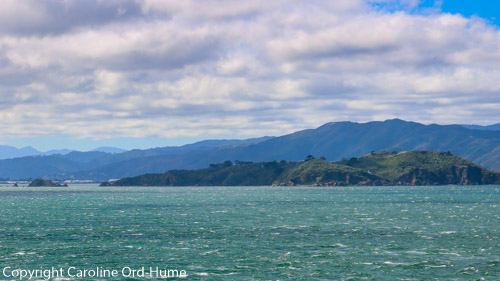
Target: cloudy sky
pixel 139 73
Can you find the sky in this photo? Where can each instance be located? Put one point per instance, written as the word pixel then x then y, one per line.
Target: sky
pixel 80 74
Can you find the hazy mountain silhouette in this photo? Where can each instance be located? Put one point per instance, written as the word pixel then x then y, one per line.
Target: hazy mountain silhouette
pixel 333 140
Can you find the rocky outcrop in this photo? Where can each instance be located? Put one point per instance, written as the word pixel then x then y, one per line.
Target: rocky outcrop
pixel 41 182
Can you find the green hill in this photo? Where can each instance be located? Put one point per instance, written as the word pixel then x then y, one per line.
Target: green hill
pixel 227 174
pixel 321 172
pixel 423 168
pixel 377 168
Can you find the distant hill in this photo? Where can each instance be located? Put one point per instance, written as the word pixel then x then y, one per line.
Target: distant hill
pixel 109 149
pixel 334 141
pixel 71 165
pixel 7 152
pixel 57 151
pixel 380 168
pixel 494 127
pixel 10 152
pixel 31 167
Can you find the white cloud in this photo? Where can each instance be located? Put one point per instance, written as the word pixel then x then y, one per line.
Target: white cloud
pixel 202 68
pixel 289 89
pixel 108 82
pixel 21 14
pixel 209 9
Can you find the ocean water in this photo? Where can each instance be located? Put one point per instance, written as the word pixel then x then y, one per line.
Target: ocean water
pixel 252 233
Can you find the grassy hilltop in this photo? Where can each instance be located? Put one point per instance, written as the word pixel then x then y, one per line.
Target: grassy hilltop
pixel 377 168
pixel 423 168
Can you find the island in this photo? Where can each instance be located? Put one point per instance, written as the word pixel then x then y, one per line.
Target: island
pixel 373 169
pixel 41 182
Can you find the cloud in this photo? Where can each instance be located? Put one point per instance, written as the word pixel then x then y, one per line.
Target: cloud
pixel 148 68
pixel 207 10
pixel 20 15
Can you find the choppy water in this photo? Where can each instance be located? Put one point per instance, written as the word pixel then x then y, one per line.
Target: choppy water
pixel 256 233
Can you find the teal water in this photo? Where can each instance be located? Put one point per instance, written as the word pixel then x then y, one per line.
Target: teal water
pixel 256 233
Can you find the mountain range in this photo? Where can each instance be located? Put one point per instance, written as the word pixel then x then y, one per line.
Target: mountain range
pixel 494 127
pixel 334 141
pixel 9 152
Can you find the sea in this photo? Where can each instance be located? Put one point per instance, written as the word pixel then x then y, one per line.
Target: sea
pixel 87 232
